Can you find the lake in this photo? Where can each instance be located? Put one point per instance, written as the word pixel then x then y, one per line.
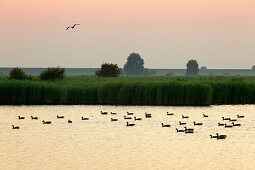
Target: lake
pixel 98 143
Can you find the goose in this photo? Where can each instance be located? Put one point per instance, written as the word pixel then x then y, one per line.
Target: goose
pixel 35 118
pixel 69 121
pixel 129 113
pixel 127 117
pixel 186 129
pixel 165 125
pixel 84 118
pixel 205 115
pixel 130 124
pixel 238 124
pixel 137 118
pixel 46 122
pixel 238 116
pixel 182 123
pixel 221 136
pixel 197 124
pixel 113 113
pixel 179 130
pixel 169 114
pixel 221 124
pixel 60 117
pixel 232 120
pixel 185 117
pixel 21 117
pixel 15 127
pixel 104 113
pixel 114 120
pixel 228 126
pixel 147 115
pixel 223 118
pixel 213 136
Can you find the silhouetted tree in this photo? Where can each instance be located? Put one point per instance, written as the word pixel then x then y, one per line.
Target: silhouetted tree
pixel 203 68
pixel 253 68
pixel 192 68
pixel 18 74
pixel 134 65
pixel 53 74
pixel 108 70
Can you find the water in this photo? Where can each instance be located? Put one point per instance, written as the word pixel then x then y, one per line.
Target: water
pixel 102 144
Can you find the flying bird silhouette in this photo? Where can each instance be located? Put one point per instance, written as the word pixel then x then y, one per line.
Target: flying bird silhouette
pixel 72 26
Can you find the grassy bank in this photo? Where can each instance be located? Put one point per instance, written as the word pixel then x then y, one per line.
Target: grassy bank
pixel 189 91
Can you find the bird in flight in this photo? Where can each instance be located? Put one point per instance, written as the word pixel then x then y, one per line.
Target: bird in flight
pixel 72 26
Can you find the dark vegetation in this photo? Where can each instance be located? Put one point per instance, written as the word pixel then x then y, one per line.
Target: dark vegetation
pixel 18 74
pixel 108 70
pixel 172 90
pixel 192 68
pixel 134 65
pixel 56 73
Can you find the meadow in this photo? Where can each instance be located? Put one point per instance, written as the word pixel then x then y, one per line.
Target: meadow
pixel 168 91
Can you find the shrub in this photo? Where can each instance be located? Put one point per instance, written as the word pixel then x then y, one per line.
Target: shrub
pixel 53 74
pixel 192 68
pixel 108 70
pixel 17 74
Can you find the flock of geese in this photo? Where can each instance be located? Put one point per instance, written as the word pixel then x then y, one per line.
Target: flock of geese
pixel 147 116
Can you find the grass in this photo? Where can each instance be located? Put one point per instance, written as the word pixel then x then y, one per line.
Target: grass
pixel 90 90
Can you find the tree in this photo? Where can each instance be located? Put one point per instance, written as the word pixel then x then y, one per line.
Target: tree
pixel 253 68
pixel 108 70
pixel 134 65
pixel 192 68
pixel 18 74
pixel 56 73
pixel 203 68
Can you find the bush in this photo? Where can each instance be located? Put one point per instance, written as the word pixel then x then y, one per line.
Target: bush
pixel 108 70
pixel 53 74
pixel 17 74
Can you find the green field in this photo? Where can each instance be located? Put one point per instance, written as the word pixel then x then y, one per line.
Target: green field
pixel 90 90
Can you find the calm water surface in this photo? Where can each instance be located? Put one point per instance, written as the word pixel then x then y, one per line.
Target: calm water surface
pixel 102 144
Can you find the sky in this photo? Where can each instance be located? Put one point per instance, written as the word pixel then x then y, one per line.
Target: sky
pixel 166 33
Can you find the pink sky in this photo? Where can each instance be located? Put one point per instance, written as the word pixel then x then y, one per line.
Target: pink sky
pixel 218 33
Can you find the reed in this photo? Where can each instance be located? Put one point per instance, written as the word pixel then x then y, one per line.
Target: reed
pixel 88 90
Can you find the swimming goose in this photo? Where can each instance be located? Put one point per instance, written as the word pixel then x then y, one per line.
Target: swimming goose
pixel 114 120
pixel 221 136
pixel 15 127
pixel 130 124
pixel 238 116
pixel 46 122
pixel 137 118
pixel 197 124
pixel 60 117
pixel 182 123
pixel 104 113
pixel 147 115
pixel 125 117
pixel 232 120
pixel 205 115
pixel 35 118
pixel 228 126
pixel 238 124
pixel 189 131
pixel 185 117
pixel 69 121
pixel 213 136
pixel 112 113
pixel 165 125
pixel 179 130
pixel 129 113
pixel 223 118
pixel 84 118
pixel 21 117
pixel 221 124
pixel 169 114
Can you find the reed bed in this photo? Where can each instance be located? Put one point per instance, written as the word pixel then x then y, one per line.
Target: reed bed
pixel 165 91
